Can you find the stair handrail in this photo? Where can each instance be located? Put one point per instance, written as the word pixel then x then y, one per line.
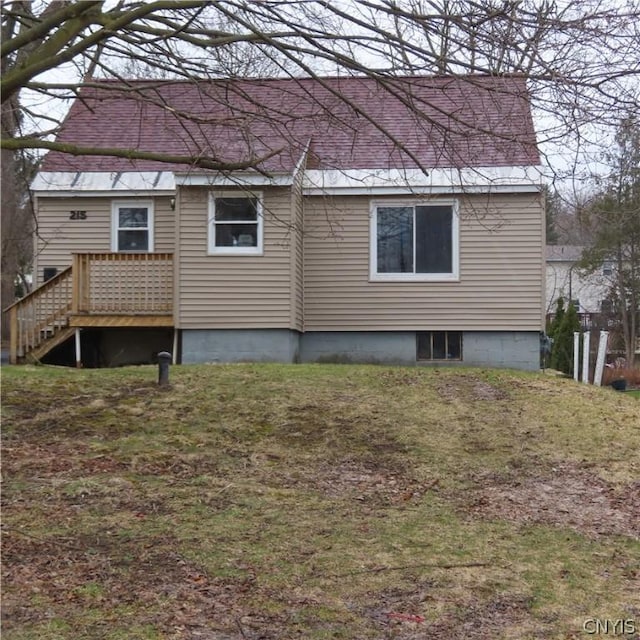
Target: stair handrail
pixel 21 337
pixel 43 287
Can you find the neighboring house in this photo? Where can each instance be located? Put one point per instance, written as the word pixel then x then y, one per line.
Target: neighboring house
pixel 371 228
pixel 564 280
pixel 589 293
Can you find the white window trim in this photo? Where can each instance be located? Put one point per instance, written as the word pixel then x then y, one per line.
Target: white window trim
pixel 116 205
pixel 211 236
pixel 374 276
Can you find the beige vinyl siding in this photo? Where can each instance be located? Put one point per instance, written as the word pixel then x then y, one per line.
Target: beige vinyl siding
pixel 501 274
pixel 58 236
pixel 243 291
pixel 297 263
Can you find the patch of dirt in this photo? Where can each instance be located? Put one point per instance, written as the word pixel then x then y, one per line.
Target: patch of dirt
pixel 403 614
pixel 485 620
pixel 486 391
pixel 175 465
pixel 363 482
pixel 22 457
pixel 400 612
pixel 71 573
pixel 469 388
pixel 565 496
pixel 400 377
pixel 41 413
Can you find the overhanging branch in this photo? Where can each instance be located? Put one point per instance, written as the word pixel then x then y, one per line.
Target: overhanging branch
pixel 200 161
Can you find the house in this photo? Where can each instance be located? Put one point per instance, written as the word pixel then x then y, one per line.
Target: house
pixel 589 293
pixel 364 221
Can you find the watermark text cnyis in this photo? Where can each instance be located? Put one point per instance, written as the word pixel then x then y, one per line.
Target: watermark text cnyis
pixel 608 627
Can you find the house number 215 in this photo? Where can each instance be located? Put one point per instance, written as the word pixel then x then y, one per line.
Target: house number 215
pixel 77 215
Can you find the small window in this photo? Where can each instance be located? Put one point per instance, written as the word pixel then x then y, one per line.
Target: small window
pixel 439 345
pixel 414 242
pixel 235 224
pixel 48 273
pixel 606 306
pixel 132 226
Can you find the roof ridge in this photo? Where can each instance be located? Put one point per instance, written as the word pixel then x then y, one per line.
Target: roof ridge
pixel 314 78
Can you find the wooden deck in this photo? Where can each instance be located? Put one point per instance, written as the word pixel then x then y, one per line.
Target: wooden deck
pixel 98 290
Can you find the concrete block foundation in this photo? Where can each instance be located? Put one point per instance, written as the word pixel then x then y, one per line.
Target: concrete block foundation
pixel 501 349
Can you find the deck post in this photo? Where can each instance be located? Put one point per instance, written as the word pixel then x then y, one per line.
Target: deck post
pixel 13 340
pixel 75 285
pixel 175 346
pixel 78 350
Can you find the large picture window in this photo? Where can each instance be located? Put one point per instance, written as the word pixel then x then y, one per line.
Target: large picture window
pixel 132 226
pixel 235 224
pixel 414 241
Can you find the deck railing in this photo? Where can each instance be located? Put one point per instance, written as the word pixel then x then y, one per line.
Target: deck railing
pixel 592 321
pixel 129 284
pixel 40 314
pixel 123 283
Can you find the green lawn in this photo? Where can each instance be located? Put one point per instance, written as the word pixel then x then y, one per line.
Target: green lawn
pixel 268 501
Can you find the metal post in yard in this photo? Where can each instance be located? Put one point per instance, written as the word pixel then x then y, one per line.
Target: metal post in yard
pixel 585 356
pixel 602 353
pixel 576 355
pixel 164 360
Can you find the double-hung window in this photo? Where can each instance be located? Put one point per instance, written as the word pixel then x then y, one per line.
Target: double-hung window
pixel 414 241
pixel 235 224
pixel 132 226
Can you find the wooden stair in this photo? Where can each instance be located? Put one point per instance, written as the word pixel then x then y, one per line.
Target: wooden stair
pixel 40 321
pixel 49 343
pixel 97 290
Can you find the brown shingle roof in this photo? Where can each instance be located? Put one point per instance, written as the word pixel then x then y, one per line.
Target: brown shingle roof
pixel 352 123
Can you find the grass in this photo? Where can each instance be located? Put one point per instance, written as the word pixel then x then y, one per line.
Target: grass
pixel 268 501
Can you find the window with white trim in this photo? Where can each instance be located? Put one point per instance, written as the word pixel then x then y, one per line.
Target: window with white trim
pixel 235 224
pixel 132 226
pixel 414 241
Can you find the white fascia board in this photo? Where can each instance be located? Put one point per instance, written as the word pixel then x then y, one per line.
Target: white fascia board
pixel 234 180
pixel 516 179
pixel 103 183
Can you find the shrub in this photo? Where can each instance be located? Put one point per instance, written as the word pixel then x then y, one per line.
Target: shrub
pixel 562 350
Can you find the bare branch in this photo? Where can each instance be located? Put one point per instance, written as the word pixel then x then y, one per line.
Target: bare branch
pixel 16 144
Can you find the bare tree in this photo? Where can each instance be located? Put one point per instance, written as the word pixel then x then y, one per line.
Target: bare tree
pixel 580 57
pixel 614 215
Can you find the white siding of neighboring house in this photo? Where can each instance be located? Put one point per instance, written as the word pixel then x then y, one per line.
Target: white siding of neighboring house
pixel 563 279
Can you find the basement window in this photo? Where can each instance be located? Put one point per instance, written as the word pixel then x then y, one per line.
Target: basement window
pixel 439 345
pixel 235 224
